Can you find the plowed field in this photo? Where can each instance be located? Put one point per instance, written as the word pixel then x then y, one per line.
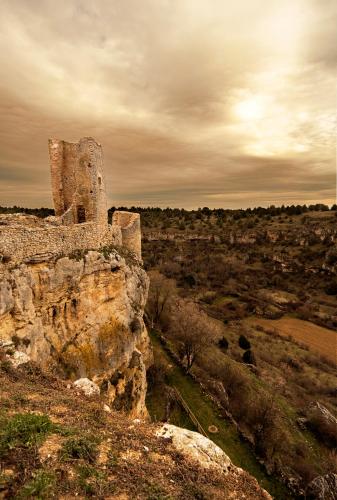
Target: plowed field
pixel 317 338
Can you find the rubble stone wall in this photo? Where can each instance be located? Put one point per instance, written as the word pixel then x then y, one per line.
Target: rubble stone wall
pixel 129 222
pixel 78 181
pixel 22 243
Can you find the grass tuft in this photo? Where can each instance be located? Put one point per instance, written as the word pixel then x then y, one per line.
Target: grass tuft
pixel 77 448
pixel 91 480
pixel 23 429
pixel 40 487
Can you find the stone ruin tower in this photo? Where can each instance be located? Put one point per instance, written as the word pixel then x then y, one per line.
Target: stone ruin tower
pixel 78 181
pixel 78 185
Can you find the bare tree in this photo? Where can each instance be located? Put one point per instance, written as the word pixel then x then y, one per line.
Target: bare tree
pixel 161 294
pixel 192 330
pixel 264 423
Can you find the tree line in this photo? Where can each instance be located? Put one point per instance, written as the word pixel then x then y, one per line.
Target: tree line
pixel 200 213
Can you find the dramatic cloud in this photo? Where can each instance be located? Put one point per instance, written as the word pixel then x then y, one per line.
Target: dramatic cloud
pixel 196 102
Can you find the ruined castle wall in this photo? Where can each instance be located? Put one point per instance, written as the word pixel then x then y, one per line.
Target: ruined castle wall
pixel 26 243
pixel 81 220
pixel 129 222
pixel 90 180
pixel 56 166
pixel 78 180
pixel 68 167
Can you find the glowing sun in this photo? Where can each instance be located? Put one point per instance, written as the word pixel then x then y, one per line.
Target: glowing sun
pixel 250 109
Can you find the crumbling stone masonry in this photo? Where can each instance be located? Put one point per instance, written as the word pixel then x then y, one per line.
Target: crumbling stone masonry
pixel 129 222
pixel 30 244
pixel 81 220
pixel 78 181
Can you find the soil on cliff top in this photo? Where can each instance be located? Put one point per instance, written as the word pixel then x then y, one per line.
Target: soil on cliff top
pixel 57 443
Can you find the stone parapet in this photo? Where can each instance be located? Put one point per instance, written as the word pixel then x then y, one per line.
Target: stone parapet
pixel 20 243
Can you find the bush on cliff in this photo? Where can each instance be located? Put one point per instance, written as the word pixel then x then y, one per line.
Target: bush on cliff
pixel 244 342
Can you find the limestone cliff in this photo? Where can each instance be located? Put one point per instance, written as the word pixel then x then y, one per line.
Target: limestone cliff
pixel 299 235
pixel 84 314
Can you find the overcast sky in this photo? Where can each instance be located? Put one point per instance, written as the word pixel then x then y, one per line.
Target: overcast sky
pixel 196 102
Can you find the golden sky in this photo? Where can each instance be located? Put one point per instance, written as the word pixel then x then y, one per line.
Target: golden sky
pixel 196 102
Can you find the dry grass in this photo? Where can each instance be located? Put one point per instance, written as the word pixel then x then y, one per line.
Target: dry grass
pixel 84 452
pixel 318 339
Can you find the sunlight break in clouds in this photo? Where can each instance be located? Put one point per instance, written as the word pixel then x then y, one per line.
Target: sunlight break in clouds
pixel 195 102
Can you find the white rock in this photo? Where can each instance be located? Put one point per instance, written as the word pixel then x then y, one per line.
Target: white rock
pixel 199 448
pixel 19 358
pixel 87 386
pixel 316 408
pixel 107 408
pixel 194 445
pixel 323 487
pixel 6 343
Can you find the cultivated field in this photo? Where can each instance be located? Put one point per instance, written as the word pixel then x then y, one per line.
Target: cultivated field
pixel 317 338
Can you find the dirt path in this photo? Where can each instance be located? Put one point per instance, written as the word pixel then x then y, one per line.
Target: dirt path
pixel 317 338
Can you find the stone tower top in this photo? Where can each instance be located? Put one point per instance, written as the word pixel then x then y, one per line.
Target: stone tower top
pixel 78 181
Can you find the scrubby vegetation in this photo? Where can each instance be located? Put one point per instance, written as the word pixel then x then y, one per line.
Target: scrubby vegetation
pixel 24 430
pixel 38 212
pixel 56 443
pixel 257 280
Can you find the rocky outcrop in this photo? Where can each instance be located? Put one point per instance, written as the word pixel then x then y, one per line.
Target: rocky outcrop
pixel 317 410
pixel 88 387
pixel 84 313
pixel 323 488
pixel 302 236
pixel 193 446
pixel 278 298
pixel 197 447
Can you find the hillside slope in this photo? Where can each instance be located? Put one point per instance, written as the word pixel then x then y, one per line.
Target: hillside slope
pixel 57 443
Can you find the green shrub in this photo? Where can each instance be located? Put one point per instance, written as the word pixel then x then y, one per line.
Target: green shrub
pixel 326 431
pixel 331 288
pixel 189 280
pixel 76 448
pixel 40 487
pixel 223 343
pixel 244 342
pixel 248 357
pixel 24 429
pixel 91 480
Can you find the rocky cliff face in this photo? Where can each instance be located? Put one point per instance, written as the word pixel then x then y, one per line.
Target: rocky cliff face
pixel 84 314
pixel 302 236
